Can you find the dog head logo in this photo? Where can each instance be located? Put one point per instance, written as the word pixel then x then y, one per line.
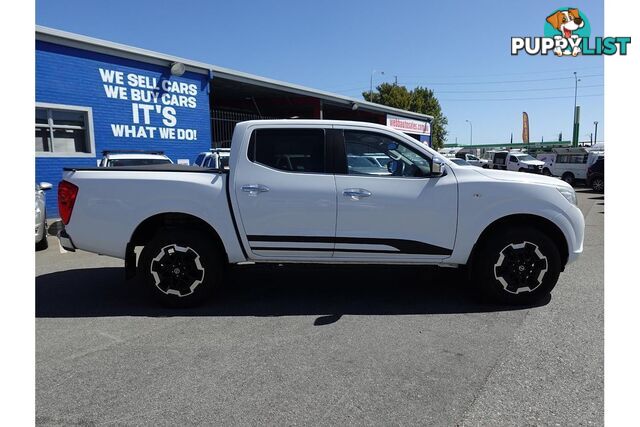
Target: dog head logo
pixel 566 21
pixel 569 24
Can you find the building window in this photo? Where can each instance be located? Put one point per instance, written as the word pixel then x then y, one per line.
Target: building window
pixel 63 131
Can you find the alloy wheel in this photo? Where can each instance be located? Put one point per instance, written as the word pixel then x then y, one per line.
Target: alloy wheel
pixel 520 267
pixel 177 270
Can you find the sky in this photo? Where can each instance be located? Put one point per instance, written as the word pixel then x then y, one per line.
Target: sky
pixel 460 49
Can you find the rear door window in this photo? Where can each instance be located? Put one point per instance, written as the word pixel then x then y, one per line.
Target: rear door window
pixel 289 150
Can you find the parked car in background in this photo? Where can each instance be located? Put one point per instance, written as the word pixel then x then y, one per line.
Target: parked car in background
pixel 380 158
pixel 41 215
pixel 517 161
pixel 488 157
pixel 472 160
pixel 365 165
pixel 214 158
pixel 459 161
pixel 570 164
pixel 595 175
pixel 115 158
pixel 594 155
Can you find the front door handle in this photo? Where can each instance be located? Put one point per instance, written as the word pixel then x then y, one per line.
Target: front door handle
pixel 356 193
pixel 254 189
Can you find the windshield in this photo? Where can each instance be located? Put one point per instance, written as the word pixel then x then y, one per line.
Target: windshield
pixel 524 157
pixel 138 162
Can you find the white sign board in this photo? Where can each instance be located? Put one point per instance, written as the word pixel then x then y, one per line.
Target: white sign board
pixel 409 125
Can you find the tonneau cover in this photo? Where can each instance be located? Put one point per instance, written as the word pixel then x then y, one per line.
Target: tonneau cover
pixel 148 168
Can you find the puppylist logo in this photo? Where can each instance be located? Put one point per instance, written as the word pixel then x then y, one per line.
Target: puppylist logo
pixel 567 32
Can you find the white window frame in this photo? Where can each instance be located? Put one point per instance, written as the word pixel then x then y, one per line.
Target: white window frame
pixel 88 130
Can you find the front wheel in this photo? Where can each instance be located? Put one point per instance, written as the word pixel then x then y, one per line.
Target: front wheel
pixel 521 170
pixel 546 172
pixel 180 268
pixel 517 265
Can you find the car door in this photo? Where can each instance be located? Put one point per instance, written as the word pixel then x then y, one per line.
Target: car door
pixel 286 198
pixel 404 215
pixel 579 166
pixel 513 164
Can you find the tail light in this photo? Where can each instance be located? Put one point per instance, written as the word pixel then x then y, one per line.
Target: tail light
pixel 67 193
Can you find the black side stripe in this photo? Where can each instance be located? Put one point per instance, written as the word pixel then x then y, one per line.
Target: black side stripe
pixel 403 246
pixel 375 251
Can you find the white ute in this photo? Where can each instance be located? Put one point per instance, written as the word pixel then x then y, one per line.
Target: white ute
pixel 290 197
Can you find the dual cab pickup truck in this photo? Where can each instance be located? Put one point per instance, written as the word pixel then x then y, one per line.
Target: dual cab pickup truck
pixel 289 196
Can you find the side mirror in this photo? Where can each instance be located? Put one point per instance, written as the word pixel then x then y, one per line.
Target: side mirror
pixel 44 186
pixel 437 167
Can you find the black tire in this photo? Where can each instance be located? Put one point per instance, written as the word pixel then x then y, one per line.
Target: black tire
pixel 597 184
pixel 569 178
pixel 43 243
pixel 180 267
pixel 546 172
pixel 521 170
pixel 516 266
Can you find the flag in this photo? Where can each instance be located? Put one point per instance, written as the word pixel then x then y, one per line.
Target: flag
pixel 525 127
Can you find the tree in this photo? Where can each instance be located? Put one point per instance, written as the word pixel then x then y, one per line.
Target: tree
pixel 419 100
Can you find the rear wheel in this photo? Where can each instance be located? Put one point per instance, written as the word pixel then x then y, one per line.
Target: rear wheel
pixel 517 265
pixel 598 184
pixel 521 170
pixel 180 268
pixel 568 178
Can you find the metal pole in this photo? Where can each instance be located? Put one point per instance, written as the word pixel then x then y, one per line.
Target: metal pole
pixel 371 87
pixel 575 116
pixel 595 139
pixel 471 135
pixel 371 84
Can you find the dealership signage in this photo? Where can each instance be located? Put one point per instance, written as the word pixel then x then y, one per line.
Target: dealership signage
pixel 154 105
pixel 409 125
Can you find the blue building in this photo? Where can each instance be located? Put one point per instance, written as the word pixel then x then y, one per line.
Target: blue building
pixel 93 95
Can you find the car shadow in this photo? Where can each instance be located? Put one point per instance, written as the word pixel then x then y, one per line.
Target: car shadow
pixel 327 291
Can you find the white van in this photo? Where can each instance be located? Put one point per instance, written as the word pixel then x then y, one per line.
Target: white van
pixel 488 157
pixel 570 164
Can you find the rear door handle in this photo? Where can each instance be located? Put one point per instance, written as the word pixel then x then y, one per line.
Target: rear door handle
pixel 254 189
pixel 356 193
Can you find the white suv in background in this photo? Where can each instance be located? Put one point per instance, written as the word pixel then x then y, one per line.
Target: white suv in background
pixel 214 158
pixel 567 163
pixel 116 158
